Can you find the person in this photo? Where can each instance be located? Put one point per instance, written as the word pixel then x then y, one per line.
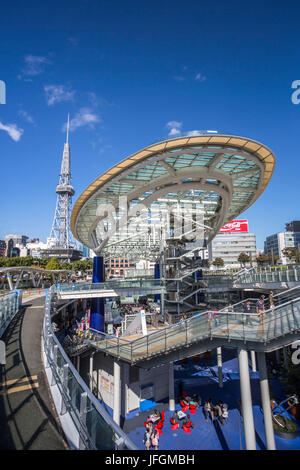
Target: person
pixel 147 437
pixel 216 315
pixel 188 422
pixel 155 439
pixel 196 399
pixel 157 413
pixel 260 306
pixel 247 311
pixel 210 315
pixel 219 413
pixel 185 401
pixel 209 409
pixel 230 308
pixel 175 417
pixel 271 300
pixel 206 410
pixel 154 318
pixel 224 408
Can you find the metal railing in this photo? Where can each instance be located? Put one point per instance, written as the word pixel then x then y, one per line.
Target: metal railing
pixel 273 274
pixel 9 306
pixel 110 285
pixel 94 427
pixel 262 327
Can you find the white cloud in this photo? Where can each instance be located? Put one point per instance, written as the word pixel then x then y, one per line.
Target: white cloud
pixel 26 116
pixel 58 93
pixel 74 41
pixel 200 78
pixel 174 127
pixel 35 64
pixel 13 131
pixel 85 117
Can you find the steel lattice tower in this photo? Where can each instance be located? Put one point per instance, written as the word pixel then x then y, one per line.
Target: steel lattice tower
pixel 61 231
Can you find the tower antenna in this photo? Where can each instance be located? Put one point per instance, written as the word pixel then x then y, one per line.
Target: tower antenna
pixel 68 125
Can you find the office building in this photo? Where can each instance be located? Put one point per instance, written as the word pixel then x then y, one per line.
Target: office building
pixel 279 241
pixel 232 240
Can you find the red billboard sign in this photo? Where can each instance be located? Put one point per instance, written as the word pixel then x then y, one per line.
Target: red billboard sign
pixel 235 226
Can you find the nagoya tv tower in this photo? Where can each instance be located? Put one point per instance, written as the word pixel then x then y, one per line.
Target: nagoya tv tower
pixel 61 243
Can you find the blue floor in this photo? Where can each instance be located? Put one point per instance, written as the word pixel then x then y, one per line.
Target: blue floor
pixel 201 378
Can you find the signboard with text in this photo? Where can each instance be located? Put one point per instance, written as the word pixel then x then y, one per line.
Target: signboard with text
pixel 235 226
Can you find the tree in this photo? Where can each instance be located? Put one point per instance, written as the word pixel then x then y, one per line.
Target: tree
pixel 218 262
pixel 290 252
pixel 53 264
pixel 66 265
pixel 83 265
pixel 243 258
pixel 262 258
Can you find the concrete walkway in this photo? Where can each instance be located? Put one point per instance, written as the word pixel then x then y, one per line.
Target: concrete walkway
pixel 28 420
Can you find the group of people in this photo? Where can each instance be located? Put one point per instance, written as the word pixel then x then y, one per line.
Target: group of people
pixel 219 411
pixel 151 436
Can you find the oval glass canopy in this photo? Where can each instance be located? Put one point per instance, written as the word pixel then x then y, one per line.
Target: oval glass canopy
pixel 178 191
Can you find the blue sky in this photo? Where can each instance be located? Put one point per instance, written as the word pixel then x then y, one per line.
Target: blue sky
pixel 124 70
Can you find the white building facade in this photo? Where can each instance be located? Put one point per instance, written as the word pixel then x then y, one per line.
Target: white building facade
pixel 232 240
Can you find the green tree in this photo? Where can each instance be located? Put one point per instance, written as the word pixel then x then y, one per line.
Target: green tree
pixel 243 258
pixel 290 252
pixel 66 265
pixel 53 264
pixel 218 262
pixel 82 265
pixel 262 258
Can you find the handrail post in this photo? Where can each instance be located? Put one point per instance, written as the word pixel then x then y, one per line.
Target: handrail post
pixel 186 336
pixel 227 315
pixel 165 340
pixel 292 304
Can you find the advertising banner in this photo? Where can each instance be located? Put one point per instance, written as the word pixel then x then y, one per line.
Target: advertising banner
pixel 235 226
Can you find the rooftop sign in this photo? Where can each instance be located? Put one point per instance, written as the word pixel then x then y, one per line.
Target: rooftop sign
pixel 235 226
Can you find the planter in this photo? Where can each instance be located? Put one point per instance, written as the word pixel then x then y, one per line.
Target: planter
pixel 293 429
pixel 286 435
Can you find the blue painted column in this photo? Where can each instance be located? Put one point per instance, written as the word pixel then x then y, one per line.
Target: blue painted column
pixel 98 304
pixel 156 276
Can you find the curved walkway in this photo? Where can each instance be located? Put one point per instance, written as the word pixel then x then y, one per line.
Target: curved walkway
pixel 28 420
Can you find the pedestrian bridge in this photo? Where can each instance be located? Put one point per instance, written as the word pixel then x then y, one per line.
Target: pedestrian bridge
pixel 109 289
pixel 14 276
pixel 276 328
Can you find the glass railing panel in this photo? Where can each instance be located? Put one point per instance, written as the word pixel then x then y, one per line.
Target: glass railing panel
pixel 296 312
pixel 60 364
pixel 74 391
pixel 198 328
pixel 176 336
pixel 143 347
pixel 101 435
pixel 235 326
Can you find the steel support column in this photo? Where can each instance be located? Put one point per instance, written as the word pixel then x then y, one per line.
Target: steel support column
pixel 265 399
pixel 98 304
pixel 246 400
pixel 253 361
pixel 220 366
pixel 171 388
